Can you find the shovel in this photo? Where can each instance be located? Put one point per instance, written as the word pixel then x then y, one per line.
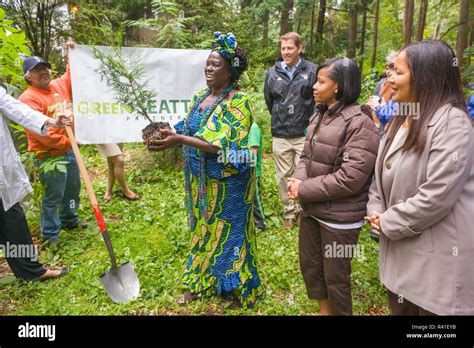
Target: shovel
pixel 121 283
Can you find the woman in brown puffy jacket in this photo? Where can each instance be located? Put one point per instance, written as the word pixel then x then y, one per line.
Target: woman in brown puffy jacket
pixel 332 182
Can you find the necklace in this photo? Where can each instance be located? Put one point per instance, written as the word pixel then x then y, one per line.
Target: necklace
pixel 201 199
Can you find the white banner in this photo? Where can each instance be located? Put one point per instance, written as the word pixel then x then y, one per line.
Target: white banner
pixel 174 74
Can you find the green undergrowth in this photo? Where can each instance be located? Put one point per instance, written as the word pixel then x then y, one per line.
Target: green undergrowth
pixel 151 233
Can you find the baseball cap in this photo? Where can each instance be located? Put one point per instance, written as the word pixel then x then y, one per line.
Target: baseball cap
pixel 31 62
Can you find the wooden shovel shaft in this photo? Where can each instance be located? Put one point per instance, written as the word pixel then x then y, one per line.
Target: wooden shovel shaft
pixel 82 167
pixel 86 179
pixel 92 197
pixel 87 182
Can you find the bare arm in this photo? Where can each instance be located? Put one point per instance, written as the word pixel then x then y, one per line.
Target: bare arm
pixel 172 139
pixel 197 143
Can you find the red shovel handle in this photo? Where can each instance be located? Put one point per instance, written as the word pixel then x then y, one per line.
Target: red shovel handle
pixel 99 218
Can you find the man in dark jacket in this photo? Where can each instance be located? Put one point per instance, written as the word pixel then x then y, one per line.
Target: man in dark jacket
pixel 289 99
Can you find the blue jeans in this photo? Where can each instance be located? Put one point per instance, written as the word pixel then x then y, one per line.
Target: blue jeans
pixel 61 197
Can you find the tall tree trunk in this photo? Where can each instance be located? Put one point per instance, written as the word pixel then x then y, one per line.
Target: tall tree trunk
pixel 408 10
pixel 311 33
pixel 321 15
pixel 42 47
pixel 40 16
pixel 147 9
pixel 422 19
pixel 437 21
pixel 376 34
pixel 436 27
pixel 463 31
pixel 471 30
pixel 266 18
pixel 285 23
pixel 35 20
pixel 351 50
pixel 330 31
pixel 362 41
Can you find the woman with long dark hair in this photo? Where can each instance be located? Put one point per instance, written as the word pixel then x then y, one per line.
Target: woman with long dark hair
pixel 422 199
pixel 332 183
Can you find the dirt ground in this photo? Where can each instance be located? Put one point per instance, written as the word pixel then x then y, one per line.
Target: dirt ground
pixel 6 307
pixel 4 268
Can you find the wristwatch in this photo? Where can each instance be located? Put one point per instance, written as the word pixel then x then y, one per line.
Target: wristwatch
pixel 44 129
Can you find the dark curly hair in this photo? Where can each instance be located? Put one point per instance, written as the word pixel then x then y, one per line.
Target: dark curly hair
pixel 238 65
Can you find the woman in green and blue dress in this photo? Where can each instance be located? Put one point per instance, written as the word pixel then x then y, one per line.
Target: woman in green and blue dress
pixel 219 180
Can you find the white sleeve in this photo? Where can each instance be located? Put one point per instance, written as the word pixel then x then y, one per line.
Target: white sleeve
pixel 21 113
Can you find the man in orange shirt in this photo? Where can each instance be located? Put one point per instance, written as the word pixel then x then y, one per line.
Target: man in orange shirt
pixel 61 198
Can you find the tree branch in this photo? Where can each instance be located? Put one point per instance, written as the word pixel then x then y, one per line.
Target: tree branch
pixel 451 28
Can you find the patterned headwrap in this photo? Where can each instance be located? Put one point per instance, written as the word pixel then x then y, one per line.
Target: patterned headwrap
pixel 226 46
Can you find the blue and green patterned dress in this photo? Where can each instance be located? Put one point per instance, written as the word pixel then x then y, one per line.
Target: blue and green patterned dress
pixel 223 246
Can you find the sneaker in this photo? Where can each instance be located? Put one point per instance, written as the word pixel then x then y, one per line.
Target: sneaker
pixel 81 224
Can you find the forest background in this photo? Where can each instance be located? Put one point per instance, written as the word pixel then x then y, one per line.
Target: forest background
pixel 146 231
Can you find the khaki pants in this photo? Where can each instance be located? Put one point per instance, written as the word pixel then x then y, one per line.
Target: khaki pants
pixel 287 152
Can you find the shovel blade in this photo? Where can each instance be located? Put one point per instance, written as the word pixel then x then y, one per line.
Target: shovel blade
pixel 121 283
